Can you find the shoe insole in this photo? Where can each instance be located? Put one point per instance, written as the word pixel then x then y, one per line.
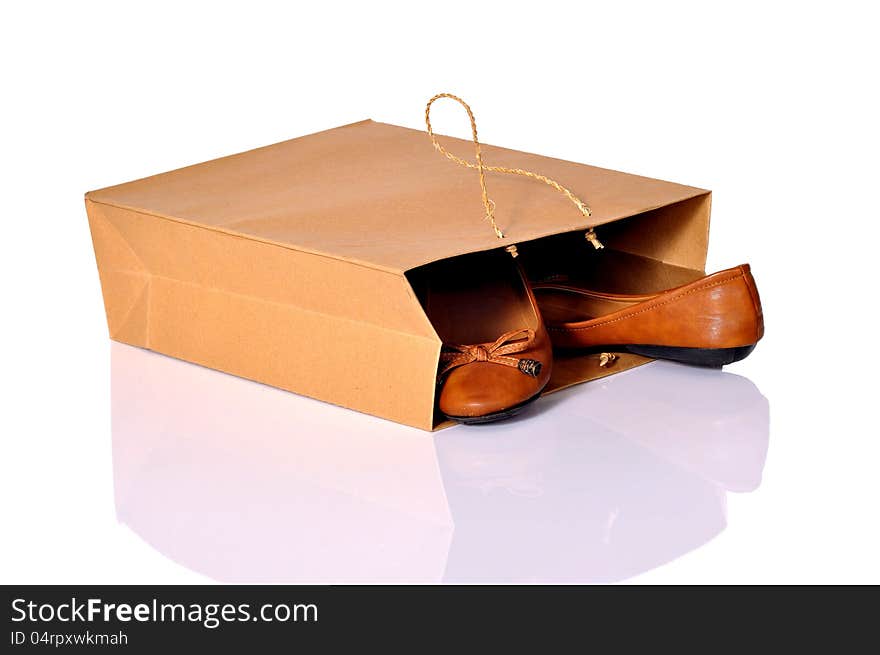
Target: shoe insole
pixel 560 306
pixel 607 270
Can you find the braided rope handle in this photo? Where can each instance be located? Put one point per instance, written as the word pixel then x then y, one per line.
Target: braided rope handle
pixel 482 168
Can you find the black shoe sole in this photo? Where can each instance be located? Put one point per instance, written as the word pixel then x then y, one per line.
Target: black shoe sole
pixel 497 416
pixel 712 357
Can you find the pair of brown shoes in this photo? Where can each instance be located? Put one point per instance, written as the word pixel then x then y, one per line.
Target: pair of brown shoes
pixel 498 353
pixel 499 350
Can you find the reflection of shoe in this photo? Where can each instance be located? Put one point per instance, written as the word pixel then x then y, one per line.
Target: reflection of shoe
pixel 579 505
pixel 606 493
pixel 497 355
pixel 713 321
pixel 712 423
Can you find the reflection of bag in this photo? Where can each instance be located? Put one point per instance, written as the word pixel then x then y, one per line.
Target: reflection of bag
pixel 291 264
pixel 245 483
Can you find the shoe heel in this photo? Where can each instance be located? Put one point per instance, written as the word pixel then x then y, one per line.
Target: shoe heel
pixel 711 357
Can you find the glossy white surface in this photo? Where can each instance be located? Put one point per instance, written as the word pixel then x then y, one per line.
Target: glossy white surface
pixel 120 466
pixel 243 482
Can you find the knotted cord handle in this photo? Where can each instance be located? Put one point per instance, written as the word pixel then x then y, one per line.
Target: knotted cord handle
pixel 482 168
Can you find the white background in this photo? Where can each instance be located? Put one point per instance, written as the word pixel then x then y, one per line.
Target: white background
pixel 773 106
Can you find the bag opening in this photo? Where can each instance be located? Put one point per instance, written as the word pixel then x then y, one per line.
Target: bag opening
pixel 645 253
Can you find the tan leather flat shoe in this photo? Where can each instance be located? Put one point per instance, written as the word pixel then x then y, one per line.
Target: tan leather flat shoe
pixel 712 321
pixel 496 356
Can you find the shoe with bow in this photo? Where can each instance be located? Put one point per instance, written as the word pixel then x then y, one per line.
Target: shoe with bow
pixel 496 356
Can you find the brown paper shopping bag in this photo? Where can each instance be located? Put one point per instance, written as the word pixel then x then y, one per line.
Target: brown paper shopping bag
pixel 292 264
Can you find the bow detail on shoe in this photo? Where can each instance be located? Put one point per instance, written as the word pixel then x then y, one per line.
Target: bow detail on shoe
pixel 515 341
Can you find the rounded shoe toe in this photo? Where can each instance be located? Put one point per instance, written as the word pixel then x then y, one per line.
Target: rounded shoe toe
pixel 482 389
